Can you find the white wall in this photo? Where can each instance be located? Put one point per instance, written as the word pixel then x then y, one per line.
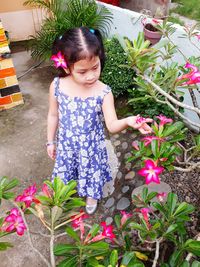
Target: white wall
pixel 21 24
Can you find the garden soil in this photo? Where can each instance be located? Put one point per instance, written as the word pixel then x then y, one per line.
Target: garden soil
pixel 23 155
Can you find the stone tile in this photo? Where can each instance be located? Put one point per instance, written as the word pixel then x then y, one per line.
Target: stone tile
pixel 110 202
pixel 123 203
pixel 130 175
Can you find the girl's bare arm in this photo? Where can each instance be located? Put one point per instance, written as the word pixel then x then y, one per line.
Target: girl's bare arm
pixel 52 120
pixel 115 125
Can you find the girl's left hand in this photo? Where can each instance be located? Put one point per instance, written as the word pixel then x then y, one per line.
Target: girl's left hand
pixel 140 123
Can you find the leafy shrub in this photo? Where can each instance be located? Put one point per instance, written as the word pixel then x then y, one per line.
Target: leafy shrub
pixel 115 74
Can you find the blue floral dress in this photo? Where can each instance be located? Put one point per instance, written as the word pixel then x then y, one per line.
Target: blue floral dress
pixel 81 152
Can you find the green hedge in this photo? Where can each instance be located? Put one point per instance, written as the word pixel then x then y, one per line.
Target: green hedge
pixel 117 76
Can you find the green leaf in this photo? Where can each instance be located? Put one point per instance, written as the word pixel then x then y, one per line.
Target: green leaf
pixel 5 245
pixel 183 209
pixel 171 201
pixel 56 213
pixel 144 193
pixel 128 256
pixel 114 258
pixel 196 264
pixel 69 262
pixel 13 183
pixel 117 220
pixel 72 233
pixel 62 249
pixel 154 148
pixel 193 246
pixel 176 258
pixel 185 264
pixel 137 226
pixel 101 245
pixel 94 230
pixel 175 127
pixel 171 229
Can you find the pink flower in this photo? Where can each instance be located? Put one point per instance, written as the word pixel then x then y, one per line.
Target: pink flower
pixel 151 172
pixel 125 217
pixel 198 36
pixel 163 120
pixel 193 76
pixel 46 191
pixel 28 196
pixel 135 145
pixel 149 139
pixel 145 214
pixel 15 221
pixel 107 233
pixel 77 222
pixel 161 196
pixel 59 60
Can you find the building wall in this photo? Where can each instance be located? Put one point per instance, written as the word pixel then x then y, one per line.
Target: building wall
pixel 16 5
pixel 19 20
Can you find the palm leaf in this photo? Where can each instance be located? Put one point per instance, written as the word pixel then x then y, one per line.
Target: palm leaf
pixel 63 15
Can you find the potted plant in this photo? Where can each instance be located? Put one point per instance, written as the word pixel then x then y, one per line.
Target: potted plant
pixel 151 27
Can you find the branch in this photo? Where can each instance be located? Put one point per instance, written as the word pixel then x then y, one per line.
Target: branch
pixel 162 92
pixel 29 236
pixel 181 115
pixel 158 241
pixel 189 169
pixel 53 264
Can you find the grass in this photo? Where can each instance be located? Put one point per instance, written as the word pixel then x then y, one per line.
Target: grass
pixel 188 8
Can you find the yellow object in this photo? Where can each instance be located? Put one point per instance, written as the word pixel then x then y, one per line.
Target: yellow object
pixel 141 256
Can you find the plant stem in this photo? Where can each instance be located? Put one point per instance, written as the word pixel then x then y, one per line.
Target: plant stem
pixel 29 236
pixel 189 169
pixel 172 99
pixel 181 115
pixel 158 241
pixel 53 264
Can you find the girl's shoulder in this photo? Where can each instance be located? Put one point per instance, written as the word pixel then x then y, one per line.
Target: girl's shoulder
pixel 104 88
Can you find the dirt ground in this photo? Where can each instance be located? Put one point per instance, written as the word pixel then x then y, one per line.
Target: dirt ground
pixel 23 155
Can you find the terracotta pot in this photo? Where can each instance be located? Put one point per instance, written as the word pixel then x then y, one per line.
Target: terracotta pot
pixel 152 34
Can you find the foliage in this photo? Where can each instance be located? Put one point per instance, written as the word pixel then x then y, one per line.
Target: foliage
pixel 158 77
pixel 115 73
pixel 63 15
pixel 188 9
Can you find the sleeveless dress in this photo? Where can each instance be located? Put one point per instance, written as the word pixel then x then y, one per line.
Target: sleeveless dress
pixel 81 152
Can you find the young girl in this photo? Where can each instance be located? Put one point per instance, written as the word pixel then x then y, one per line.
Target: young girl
pixel 78 102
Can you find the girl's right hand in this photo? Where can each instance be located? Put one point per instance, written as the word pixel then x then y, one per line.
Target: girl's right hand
pixel 51 151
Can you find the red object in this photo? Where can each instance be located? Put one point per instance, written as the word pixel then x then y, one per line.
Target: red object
pixel 111 2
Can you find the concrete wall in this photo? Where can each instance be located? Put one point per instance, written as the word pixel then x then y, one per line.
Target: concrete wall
pixel 19 20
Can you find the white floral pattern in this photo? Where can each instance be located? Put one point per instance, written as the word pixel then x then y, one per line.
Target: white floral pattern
pixel 81 152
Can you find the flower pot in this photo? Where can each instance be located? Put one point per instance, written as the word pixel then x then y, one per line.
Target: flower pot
pixel 152 34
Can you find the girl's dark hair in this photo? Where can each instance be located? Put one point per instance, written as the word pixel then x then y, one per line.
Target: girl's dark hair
pixel 77 44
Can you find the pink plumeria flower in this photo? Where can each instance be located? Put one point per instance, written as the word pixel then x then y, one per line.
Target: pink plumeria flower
pixel 151 172
pixel 161 196
pixel 46 191
pixel 77 222
pixel 155 21
pixel 28 196
pixel 135 145
pixel 193 76
pixel 145 213
pixel 125 217
pixel 198 36
pixel 59 60
pixel 149 139
pixel 14 222
pixel 164 120
pixel 107 233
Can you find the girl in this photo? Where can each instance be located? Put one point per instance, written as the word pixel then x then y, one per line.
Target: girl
pixel 78 102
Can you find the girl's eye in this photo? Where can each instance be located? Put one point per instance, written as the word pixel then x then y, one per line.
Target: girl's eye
pixel 82 72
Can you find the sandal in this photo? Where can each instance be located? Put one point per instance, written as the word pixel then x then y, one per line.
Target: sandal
pixel 90 208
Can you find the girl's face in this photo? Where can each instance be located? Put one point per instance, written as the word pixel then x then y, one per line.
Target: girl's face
pixel 86 71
